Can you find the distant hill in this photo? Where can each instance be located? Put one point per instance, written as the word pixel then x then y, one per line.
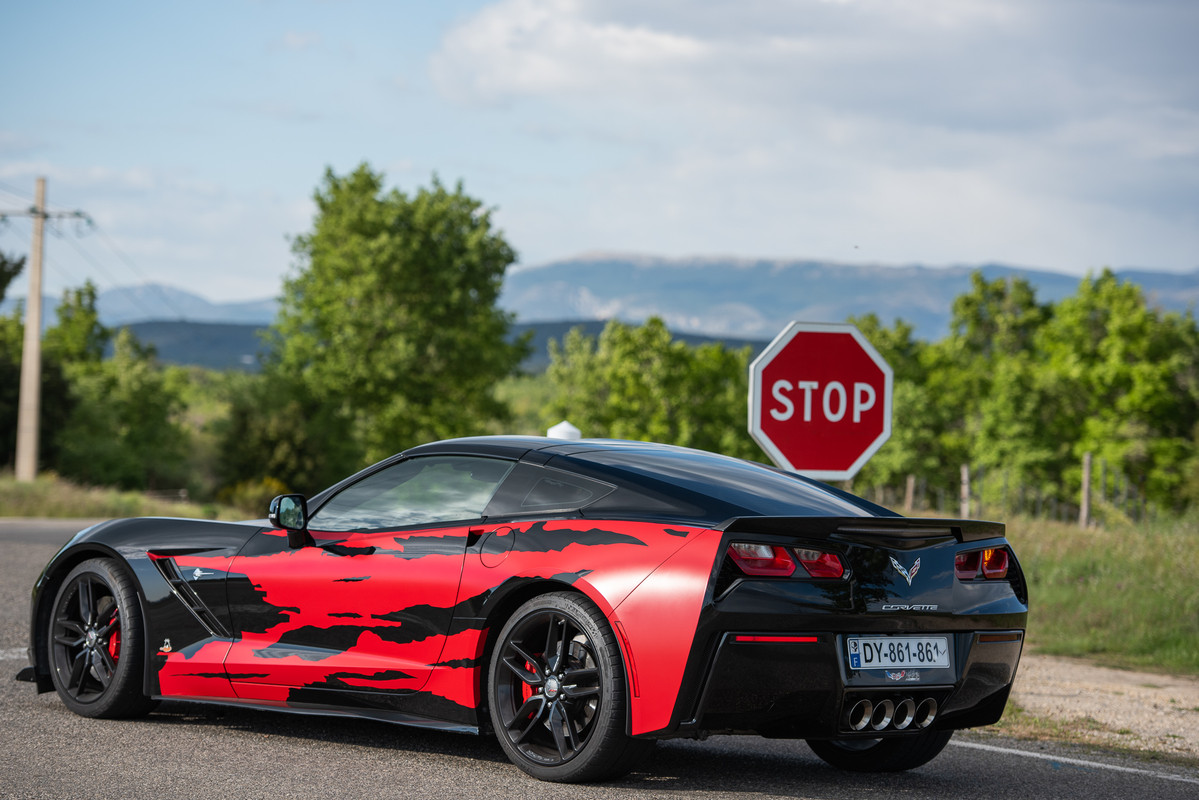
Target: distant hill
pixel 124 305
pixel 219 345
pixel 543 332
pixel 756 298
pixel 716 297
pixel 216 345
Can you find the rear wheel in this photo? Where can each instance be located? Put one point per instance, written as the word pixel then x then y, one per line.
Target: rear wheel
pixel 556 691
pixel 96 643
pixel 882 755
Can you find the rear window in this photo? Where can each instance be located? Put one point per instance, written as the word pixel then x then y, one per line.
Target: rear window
pixel 754 487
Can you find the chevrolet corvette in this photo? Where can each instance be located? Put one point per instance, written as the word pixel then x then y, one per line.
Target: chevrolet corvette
pixel 577 599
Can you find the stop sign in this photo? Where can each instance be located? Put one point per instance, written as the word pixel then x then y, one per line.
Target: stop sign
pixel 820 400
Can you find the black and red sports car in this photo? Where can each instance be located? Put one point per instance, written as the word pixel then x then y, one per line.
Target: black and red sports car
pixel 580 599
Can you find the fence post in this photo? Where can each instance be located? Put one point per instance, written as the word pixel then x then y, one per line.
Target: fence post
pixel 1084 508
pixel 964 502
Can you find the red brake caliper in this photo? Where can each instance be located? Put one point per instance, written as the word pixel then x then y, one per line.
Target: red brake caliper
pixel 114 641
pixel 526 691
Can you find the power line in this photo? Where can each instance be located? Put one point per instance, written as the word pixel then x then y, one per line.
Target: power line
pixel 95 263
pixel 6 226
pixel 16 192
pixel 133 267
pixel 89 259
pixel 75 243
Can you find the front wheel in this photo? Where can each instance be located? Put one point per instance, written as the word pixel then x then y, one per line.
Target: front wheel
pixel 882 755
pixel 95 643
pixel 556 692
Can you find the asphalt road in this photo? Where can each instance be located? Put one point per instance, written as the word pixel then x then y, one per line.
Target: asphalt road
pixel 188 750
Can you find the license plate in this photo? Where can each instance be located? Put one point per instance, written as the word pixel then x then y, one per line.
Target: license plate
pixel 898 652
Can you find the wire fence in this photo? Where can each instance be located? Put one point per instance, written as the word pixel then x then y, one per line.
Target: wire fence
pixel 1106 496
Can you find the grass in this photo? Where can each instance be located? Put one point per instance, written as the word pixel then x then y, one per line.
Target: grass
pixel 50 496
pixel 1126 596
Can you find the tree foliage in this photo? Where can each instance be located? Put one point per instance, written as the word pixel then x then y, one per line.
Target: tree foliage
pixel 1019 389
pixel 1024 389
pixel 124 428
pixel 636 382
pixel 57 403
pixel 111 422
pixel 388 334
pixel 77 336
pixel 10 267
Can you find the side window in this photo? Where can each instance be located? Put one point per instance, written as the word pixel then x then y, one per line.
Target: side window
pixel 418 491
pixel 534 489
pixel 559 491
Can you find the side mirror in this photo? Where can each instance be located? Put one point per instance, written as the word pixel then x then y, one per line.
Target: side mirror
pixel 290 512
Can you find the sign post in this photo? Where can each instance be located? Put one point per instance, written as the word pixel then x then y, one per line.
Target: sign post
pixel 820 400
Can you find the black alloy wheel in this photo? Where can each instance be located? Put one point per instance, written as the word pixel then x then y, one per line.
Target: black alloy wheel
pixel 95 643
pixel 556 692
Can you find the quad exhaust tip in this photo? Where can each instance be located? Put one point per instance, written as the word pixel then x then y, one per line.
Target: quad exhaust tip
pixel 926 712
pixel 886 713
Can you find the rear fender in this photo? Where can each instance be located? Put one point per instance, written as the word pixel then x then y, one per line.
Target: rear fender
pixel 656 625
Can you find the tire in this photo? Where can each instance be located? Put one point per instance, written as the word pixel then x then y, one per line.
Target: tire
pixel 882 755
pixel 556 692
pixel 95 643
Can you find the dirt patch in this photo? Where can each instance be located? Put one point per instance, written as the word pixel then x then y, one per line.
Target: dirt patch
pixel 1135 710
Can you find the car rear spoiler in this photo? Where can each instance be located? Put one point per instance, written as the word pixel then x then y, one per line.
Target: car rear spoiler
pixel 869 528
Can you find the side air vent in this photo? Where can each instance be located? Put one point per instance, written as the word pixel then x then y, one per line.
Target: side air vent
pixel 187 596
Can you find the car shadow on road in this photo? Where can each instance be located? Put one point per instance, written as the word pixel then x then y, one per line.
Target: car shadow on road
pixel 333 729
pixel 729 763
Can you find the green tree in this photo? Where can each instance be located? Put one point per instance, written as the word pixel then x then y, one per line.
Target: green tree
pixel 56 400
pixel 912 448
pixel 124 429
pixel 77 336
pixel 637 382
pixel 11 333
pixel 993 323
pixel 390 325
pixel 10 268
pixel 1126 384
pixel 275 433
pixel 998 317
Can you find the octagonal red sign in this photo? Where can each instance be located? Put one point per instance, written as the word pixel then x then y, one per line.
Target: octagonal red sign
pixel 820 400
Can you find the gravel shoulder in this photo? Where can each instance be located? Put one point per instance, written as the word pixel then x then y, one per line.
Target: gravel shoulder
pixel 1132 710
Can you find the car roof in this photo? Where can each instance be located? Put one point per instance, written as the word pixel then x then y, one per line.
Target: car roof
pixel 708 485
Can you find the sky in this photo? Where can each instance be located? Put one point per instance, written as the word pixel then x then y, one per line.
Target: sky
pixel 1051 134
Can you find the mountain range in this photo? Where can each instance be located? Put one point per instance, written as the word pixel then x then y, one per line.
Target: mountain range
pixel 757 298
pixel 740 301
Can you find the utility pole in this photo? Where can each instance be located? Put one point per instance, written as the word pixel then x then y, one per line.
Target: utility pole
pixel 29 405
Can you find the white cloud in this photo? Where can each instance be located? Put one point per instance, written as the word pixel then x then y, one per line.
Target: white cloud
pixel 942 130
pixel 554 46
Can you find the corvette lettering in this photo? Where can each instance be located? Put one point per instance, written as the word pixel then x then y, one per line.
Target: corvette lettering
pixel 908 607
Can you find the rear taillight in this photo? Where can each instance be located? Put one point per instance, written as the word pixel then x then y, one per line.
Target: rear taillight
pixel 965 565
pixel 764 560
pixel 994 564
pixel 989 564
pixel 820 564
